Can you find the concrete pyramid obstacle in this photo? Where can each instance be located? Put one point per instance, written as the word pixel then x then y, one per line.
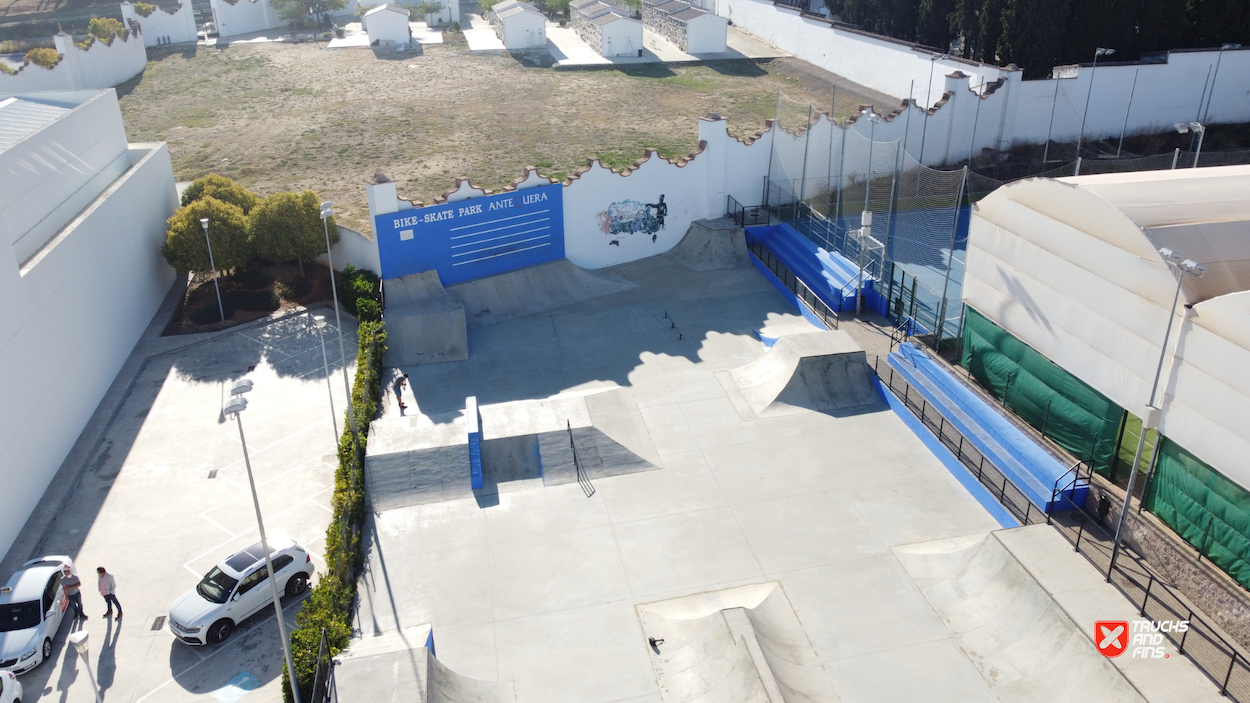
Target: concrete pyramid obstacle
pixel 824 371
pixel 401 666
pixel 712 245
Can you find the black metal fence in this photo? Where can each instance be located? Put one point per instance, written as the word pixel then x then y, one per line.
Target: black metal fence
pixel 324 689
pixel 1214 655
pixel 745 216
pixel 800 290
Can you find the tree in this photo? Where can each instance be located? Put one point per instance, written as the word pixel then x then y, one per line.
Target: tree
pixel 185 248
pixel 933 23
pixel 300 11
pixel 1033 34
pixel 965 23
pixel 105 28
pixel 287 226
pixel 221 188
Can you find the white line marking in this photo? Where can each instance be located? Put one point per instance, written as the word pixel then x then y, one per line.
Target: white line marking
pixel 502 219
pixel 505 236
pixel 488 231
pixel 506 253
pixel 501 246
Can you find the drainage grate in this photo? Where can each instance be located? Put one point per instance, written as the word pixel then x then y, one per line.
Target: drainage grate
pixel 158 623
pixel 212 474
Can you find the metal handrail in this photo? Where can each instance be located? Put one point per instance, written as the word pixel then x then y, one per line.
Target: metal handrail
pixel 1070 486
pixel 793 283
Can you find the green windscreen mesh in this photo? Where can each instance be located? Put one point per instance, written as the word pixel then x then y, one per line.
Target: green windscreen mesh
pixel 1065 409
pixel 1204 508
pixel 1128 448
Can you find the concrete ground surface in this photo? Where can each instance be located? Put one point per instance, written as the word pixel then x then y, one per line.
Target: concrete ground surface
pixel 569 49
pixel 539 587
pixel 146 509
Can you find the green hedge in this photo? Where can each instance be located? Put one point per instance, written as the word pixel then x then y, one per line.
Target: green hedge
pixel 329 606
pixel 358 284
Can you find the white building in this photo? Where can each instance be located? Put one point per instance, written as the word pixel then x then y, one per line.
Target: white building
pixel 520 26
pixel 691 29
pixel 387 24
pixel 163 26
pixel 82 221
pixel 100 65
pixel 244 17
pixel 607 30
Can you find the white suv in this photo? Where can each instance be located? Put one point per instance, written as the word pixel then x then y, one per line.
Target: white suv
pixel 32 606
pixel 236 589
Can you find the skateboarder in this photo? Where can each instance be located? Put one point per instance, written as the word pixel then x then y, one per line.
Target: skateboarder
pixel 399 390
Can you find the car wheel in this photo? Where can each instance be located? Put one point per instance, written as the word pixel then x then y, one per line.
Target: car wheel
pixel 47 648
pixel 297 585
pixel 220 631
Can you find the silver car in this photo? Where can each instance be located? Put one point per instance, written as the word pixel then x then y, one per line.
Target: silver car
pixel 32 606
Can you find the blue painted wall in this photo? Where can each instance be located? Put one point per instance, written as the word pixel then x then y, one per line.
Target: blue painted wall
pixel 474 238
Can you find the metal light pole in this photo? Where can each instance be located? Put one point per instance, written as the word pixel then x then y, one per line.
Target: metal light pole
pixel 320 322
pixel 924 131
pixel 1097 52
pixel 327 211
pixel 1150 419
pixel 1054 101
pixel 235 408
pixel 865 232
pixel 873 119
pixel 220 308
pixel 1196 128
pixel 79 640
pixel 1218 61
pixel 1131 92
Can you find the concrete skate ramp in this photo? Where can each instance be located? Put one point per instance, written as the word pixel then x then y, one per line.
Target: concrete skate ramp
pixel 821 371
pixel 1012 631
pixel 741 644
pixel 423 324
pixel 712 245
pixel 606 427
pixel 409 465
pixel 401 667
pixel 532 290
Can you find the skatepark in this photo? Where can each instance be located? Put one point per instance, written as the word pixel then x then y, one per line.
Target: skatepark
pixel 658 481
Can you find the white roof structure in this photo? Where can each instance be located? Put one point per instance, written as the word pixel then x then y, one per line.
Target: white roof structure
pixel 1071 267
pixel 22 117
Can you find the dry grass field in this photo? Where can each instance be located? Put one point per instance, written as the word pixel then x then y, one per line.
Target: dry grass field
pixel 293 116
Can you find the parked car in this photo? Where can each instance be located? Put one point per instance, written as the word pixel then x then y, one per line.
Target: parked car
pixel 10 688
pixel 236 589
pixel 32 606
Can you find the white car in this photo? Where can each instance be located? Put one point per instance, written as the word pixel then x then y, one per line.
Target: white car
pixel 32 606
pixel 10 688
pixel 236 589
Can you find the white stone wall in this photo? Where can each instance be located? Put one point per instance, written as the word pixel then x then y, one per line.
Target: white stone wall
pixel 244 17
pixel 100 65
pixel 163 27
pixel 621 38
pixel 71 316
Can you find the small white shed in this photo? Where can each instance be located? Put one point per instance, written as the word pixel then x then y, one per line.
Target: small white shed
pixel 387 24
pixel 522 27
pixel 706 33
pixel 622 36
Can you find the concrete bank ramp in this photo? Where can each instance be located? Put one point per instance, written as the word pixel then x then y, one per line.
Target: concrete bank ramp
pixel 401 667
pixel 532 290
pixel 410 462
pixel 733 646
pixel 1019 639
pixel 712 245
pixel 424 324
pixel 825 371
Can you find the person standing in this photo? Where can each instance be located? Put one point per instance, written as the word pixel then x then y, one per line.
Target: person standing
pixel 108 589
pixel 399 390
pixel 73 591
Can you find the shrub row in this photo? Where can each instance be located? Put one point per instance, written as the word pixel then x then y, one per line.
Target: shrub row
pixel 357 285
pixel 329 606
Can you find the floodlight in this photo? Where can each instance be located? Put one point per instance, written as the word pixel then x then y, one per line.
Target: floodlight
pixel 320 320
pixel 1182 127
pixel 1193 267
pixel 236 405
pixel 241 386
pixel 79 640
pixel 1170 256
pixel 865 218
pixel 1103 52
pixel 204 222
pixel 1197 127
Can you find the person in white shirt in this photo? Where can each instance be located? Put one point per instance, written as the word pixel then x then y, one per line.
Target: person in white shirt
pixel 108 589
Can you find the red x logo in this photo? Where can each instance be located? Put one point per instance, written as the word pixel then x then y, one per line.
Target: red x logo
pixel 1111 637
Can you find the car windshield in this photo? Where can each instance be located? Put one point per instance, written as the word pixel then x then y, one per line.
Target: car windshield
pixel 19 616
pixel 217 586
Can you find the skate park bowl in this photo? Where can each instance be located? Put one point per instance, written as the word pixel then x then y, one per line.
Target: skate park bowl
pixel 402 666
pixel 1020 640
pixel 733 646
pixel 825 371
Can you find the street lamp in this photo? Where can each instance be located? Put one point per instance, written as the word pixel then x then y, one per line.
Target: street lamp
pixel 1088 94
pixel 924 132
pixel 1196 128
pixel 1150 419
pixel 1218 61
pixel 220 308
pixel 320 323
pixel 327 211
pixel 874 119
pixel 79 640
pixel 234 409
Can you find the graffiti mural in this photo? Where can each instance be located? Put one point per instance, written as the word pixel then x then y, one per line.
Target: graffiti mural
pixel 629 217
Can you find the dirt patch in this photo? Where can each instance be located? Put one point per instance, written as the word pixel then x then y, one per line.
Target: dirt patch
pixel 283 281
pixel 293 117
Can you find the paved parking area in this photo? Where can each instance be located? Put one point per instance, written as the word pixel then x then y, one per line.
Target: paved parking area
pixel 147 509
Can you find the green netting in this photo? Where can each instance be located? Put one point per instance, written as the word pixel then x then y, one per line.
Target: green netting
pixel 1128 447
pixel 1204 508
pixel 1074 415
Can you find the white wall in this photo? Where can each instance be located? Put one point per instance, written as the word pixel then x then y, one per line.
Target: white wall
pixel 99 66
pixel 62 341
pixel 388 26
pixel 163 27
pixel 706 35
pixel 622 38
pixel 244 17
pixel 356 249
pixel 524 30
